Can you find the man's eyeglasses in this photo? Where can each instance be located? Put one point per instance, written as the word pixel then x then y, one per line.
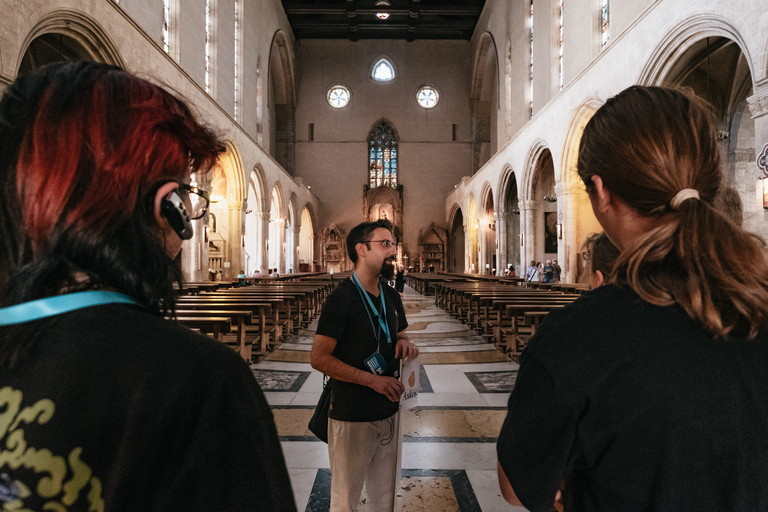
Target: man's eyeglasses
pixel 199 199
pixel 385 243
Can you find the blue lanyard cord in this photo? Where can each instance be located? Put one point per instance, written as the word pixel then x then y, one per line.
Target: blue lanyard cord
pixel 382 318
pixel 58 304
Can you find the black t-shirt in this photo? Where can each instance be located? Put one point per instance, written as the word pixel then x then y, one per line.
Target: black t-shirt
pixel 639 411
pixel 119 410
pixel 344 318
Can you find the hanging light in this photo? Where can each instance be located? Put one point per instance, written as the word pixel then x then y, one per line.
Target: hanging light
pixel 382 3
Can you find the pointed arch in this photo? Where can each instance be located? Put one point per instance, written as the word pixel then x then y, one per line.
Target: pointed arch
pixel 484 97
pixel 81 29
pixel 375 69
pixel 537 149
pixel 282 101
pixel 681 38
pixel 383 155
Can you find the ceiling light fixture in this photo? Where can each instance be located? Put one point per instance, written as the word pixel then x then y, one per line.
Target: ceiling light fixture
pixel 382 3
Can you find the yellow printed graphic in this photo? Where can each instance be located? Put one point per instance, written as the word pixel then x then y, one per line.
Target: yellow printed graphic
pixel 51 469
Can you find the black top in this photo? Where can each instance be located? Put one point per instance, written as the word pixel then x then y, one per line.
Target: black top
pixel 639 410
pixel 344 319
pixel 120 410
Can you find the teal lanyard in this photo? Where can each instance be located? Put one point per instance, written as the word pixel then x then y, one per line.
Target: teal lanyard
pixel 58 304
pixel 382 321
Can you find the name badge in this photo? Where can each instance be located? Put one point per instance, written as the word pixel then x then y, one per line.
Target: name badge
pixel 376 363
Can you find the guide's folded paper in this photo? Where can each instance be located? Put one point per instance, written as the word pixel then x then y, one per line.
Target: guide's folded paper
pixel 410 369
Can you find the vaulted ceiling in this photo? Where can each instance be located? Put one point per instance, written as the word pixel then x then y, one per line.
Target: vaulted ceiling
pixel 364 19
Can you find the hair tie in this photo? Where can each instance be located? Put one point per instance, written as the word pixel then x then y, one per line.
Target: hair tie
pixel 683 195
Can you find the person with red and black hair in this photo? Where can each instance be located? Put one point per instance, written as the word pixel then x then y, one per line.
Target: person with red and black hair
pixel 104 405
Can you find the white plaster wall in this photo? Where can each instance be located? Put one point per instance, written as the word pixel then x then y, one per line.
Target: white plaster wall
pixel 335 164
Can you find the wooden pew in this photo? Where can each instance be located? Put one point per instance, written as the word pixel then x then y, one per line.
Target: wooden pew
pixel 240 318
pixel 259 309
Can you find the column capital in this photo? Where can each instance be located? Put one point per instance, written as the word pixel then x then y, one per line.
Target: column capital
pixel 758 103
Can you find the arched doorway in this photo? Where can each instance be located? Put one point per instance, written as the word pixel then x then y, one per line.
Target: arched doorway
pixel 457 244
pixel 255 216
pixel 306 242
pixel 508 228
pixel 226 240
pixel 276 223
pixel 542 223
pixel 487 231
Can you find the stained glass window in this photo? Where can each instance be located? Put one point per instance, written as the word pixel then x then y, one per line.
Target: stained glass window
pixel 531 76
pixel 166 26
pixel 382 156
pixel 427 96
pixel 604 22
pixel 338 96
pixel 383 71
pixel 207 46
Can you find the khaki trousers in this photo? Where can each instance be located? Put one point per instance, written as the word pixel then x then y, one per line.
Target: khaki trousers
pixel 363 453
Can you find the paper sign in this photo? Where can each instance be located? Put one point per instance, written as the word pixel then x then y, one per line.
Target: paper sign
pixel 410 369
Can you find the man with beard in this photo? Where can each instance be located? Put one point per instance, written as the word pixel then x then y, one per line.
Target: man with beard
pixel 360 339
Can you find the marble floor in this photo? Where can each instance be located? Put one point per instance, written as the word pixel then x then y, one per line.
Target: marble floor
pixel 449 450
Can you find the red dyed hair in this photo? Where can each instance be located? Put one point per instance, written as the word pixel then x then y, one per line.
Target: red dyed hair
pixel 96 148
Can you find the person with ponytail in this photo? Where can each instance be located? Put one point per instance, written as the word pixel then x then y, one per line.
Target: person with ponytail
pixel 650 393
pixel 105 404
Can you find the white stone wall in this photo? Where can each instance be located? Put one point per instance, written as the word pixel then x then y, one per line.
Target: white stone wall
pixel 134 28
pixel 335 164
pixel 646 38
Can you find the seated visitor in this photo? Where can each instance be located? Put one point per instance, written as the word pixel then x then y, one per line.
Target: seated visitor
pixel 649 392
pixel 104 404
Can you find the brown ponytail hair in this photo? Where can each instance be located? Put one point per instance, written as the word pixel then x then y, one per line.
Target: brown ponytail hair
pixel 647 144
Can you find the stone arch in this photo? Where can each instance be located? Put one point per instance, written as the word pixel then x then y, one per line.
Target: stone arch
pixel 538 147
pixel 473 240
pixel 228 205
pixel 574 209
pixel 508 219
pixel 80 29
pixel 277 218
pixel 487 230
pixel 708 55
pixel 456 241
pixel 679 41
pixel 484 96
pixel 282 101
pixel 256 216
pixel 306 249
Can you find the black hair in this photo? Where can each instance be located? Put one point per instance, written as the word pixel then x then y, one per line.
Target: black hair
pixel 361 233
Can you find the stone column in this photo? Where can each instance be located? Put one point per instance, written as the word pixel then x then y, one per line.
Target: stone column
pixel 758 106
pixel 234 251
pixel 262 218
pixel 501 242
pixel 281 248
pixel 530 210
pixel 467 250
pixel 295 247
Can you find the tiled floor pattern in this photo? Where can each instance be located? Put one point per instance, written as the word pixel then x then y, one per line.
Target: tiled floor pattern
pixel 449 451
